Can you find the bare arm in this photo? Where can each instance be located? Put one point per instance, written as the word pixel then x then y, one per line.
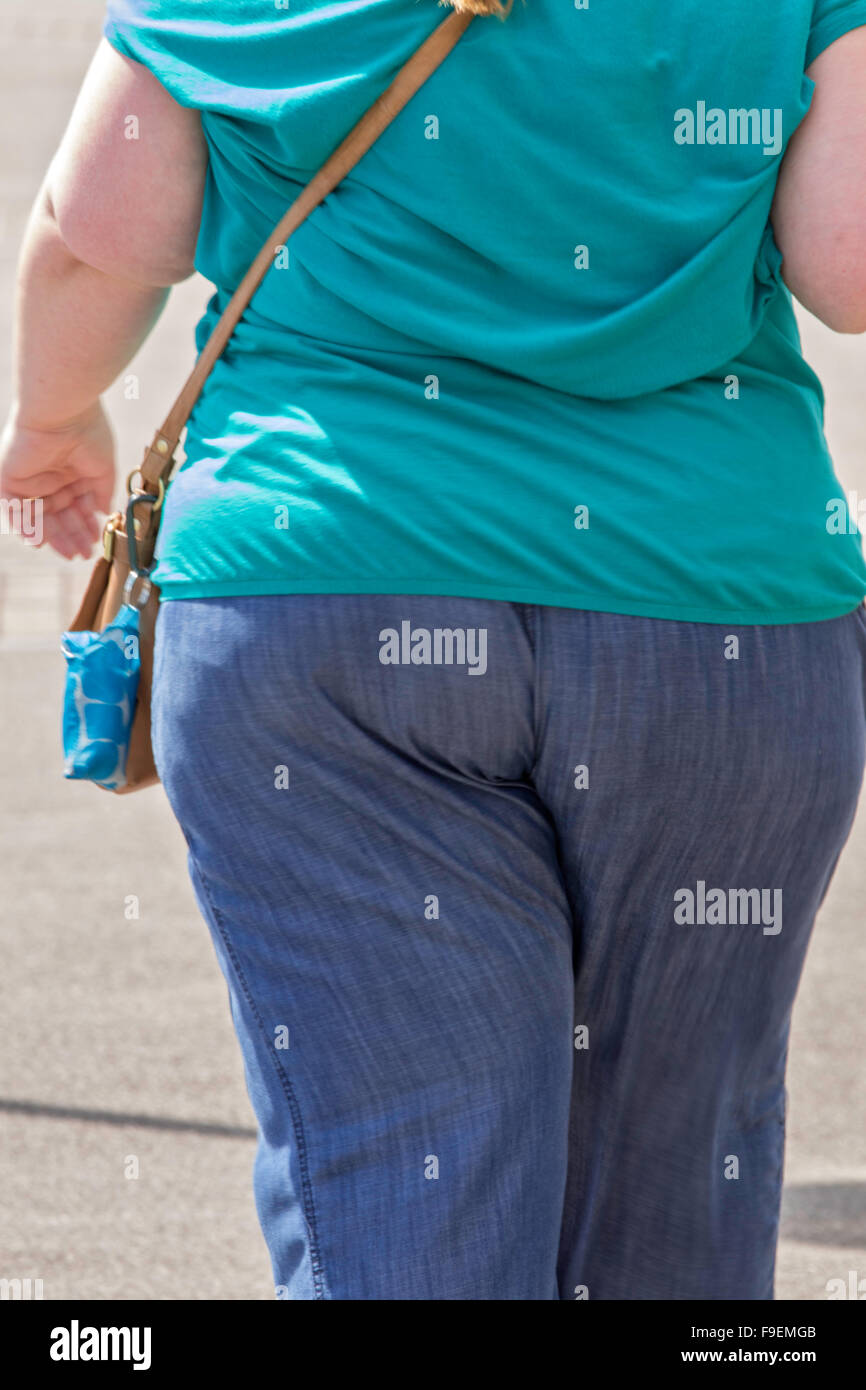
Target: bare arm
pixel 819 212
pixel 114 225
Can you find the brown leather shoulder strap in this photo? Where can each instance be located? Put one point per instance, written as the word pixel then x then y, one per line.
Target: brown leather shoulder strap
pixel 158 456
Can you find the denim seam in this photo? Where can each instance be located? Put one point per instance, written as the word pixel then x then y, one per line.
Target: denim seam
pixel 533 627
pixel 319 1280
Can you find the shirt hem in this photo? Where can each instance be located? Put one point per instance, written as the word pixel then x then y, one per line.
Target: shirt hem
pixel 544 598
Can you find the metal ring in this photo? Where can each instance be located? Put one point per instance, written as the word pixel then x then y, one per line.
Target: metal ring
pixel 160 489
pixel 144 592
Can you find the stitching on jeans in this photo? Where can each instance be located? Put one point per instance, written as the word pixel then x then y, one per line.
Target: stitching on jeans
pixel 533 626
pixel 308 1205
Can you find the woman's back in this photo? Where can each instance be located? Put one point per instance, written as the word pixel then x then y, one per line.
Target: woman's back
pixel 536 346
pixel 535 937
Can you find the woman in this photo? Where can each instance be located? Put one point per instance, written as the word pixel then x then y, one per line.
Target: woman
pixel 509 681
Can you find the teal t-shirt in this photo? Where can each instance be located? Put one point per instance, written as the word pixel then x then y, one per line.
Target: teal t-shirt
pixel 536 347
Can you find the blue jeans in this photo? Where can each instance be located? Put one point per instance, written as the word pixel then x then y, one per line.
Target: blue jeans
pixel 512 926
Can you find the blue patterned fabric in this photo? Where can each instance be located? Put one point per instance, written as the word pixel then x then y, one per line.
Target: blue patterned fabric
pixel 99 701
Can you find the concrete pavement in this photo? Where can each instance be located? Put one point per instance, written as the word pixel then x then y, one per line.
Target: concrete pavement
pixel 125 1132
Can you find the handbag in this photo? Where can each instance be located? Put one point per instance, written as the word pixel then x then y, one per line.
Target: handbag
pixel 109 643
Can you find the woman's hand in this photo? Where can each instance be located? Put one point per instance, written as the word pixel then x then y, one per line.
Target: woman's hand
pixel 69 468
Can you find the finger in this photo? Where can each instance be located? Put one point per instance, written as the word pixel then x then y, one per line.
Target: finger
pixel 52 492
pixel 74 538
pixel 103 492
pixel 55 535
pixel 45 484
pixel 68 535
pixel 79 534
pixel 71 492
pixel 83 509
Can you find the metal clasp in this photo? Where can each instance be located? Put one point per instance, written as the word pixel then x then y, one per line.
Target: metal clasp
pixel 137 571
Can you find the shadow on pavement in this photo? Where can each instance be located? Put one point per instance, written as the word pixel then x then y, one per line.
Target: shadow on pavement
pixel 115 1117
pixel 825 1213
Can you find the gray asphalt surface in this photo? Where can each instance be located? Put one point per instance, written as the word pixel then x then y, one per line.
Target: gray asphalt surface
pixel 116 1041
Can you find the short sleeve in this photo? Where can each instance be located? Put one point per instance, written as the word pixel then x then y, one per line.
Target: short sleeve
pixel 176 41
pixel 830 20
pixel 126 23
pixel 112 30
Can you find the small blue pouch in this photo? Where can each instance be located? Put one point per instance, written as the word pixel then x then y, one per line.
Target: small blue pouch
pixel 99 699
